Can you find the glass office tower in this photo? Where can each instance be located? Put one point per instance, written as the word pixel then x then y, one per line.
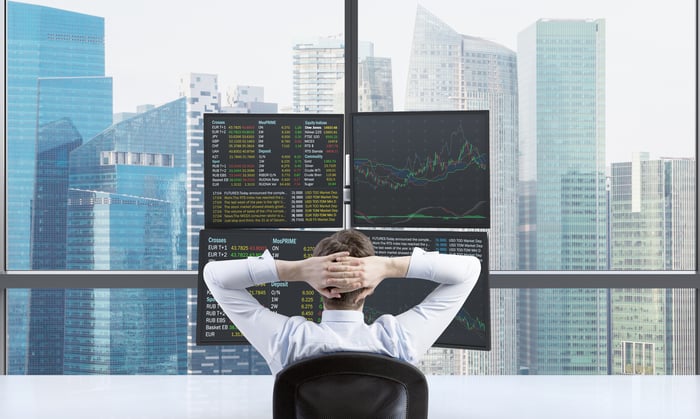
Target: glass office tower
pixel 69 110
pixel 44 42
pixel 126 203
pixel 127 211
pixel 375 91
pixel 561 79
pixel 56 95
pixel 55 141
pixel 451 71
pixel 652 217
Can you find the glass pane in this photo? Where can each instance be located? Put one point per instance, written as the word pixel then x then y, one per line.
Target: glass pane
pixel 592 167
pixel 535 331
pixel 104 117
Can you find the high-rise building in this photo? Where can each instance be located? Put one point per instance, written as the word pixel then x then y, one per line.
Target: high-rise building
pixel 451 71
pixel 201 94
pixel 375 92
pixel 126 202
pixel 375 88
pixel 69 110
pixel 56 95
pixel 48 251
pixel 43 43
pixel 652 211
pixel 126 211
pixel 318 65
pixel 561 80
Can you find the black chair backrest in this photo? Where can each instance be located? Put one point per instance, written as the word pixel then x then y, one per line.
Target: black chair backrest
pixel 350 385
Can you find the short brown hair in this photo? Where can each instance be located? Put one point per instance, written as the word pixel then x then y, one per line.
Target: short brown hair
pixel 358 245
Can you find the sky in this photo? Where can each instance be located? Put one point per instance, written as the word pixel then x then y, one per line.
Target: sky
pixel 651 58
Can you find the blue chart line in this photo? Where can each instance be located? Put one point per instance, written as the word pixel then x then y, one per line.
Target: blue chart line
pixel 421 181
pixel 456 155
pixel 463 319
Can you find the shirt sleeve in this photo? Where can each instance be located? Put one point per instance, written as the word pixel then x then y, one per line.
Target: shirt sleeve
pixel 228 279
pixel 457 276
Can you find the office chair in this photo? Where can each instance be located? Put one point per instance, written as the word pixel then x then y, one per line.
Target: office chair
pixel 350 385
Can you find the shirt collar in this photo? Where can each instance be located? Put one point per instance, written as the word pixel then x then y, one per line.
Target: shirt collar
pixel 349 316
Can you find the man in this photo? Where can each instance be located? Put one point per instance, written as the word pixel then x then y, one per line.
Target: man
pixel 344 270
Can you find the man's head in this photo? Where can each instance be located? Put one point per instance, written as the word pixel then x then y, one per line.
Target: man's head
pixel 358 245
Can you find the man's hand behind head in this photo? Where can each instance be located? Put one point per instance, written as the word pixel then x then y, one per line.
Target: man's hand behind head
pixel 351 273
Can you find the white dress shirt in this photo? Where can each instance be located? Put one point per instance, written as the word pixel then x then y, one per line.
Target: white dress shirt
pixel 281 339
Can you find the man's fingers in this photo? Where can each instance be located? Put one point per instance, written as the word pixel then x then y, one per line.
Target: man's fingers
pixel 344 285
pixel 330 292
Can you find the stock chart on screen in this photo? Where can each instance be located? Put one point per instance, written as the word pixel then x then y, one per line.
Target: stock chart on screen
pixel 420 169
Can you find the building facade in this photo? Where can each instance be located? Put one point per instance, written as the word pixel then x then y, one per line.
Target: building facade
pixel 375 87
pixel 126 211
pixel 652 217
pixel 56 96
pixel 318 65
pixel 561 80
pixel 451 71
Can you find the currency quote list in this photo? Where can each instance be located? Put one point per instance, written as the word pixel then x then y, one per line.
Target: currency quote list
pixel 291 299
pixel 275 172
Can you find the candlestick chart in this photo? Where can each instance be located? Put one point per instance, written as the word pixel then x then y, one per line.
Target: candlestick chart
pixel 421 170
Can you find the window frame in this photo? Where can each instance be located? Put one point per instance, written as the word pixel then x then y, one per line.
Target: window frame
pixel 498 279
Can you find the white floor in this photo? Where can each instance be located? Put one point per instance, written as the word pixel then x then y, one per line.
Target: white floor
pixel 235 397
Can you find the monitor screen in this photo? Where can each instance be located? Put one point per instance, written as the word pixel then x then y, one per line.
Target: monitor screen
pixel 276 170
pixel 469 330
pixel 420 169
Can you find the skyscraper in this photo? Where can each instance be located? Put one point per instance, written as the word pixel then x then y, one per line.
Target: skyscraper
pixel 126 207
pixel 56 94
pixel 451 71
pixel 43 43
pixel 375 88
pixel 69 110
pixel 652 217
pixel 55 141
pixel 126 211
pixel 318 65
pixel 561 75
pixel 561 80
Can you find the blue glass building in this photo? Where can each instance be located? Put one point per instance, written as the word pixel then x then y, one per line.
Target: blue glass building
pixel 127 211
pixel 55 71
pixel 561 81
pixel 44 42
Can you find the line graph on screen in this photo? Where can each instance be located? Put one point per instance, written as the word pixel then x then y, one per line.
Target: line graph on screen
pixel 423 170
pixel 433 171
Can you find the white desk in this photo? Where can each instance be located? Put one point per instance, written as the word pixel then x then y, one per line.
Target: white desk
pixel 236 397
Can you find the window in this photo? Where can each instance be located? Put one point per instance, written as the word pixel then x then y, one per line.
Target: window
pixel 593 188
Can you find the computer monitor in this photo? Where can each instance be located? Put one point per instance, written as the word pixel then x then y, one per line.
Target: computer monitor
pixel 273 170
pixel 420 169
pixel 469 330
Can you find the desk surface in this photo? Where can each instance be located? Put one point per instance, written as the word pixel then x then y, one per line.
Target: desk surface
pixel 229 397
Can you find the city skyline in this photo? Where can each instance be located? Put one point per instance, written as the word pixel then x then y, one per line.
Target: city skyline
pixel 140 159
pixel 637 113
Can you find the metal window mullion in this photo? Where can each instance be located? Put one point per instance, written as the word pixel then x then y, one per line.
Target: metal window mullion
pixel 562 279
